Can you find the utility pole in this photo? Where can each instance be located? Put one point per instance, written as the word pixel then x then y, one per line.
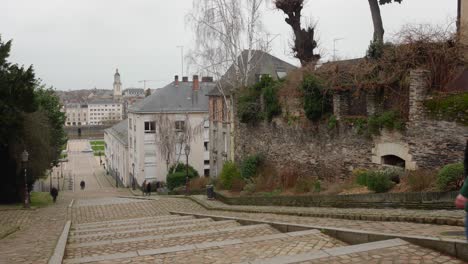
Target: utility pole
pixel 334 47
pixel 182 58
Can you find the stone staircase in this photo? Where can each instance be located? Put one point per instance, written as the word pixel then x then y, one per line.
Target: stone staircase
pixel 186 239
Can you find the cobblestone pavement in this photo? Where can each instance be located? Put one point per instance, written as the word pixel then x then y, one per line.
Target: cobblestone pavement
pixel 109 226
pixel 40 228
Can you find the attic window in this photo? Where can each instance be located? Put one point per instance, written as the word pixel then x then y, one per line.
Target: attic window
pixel 281 74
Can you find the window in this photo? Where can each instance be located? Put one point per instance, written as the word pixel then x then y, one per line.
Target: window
pixel 206 162
pixel 130 123
pixel 150 127
pixel 207 173
pixel 206 146
pixel 180 125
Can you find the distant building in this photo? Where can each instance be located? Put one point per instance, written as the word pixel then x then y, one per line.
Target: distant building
pixel 104 111
pixel 104 107
pixel 221 130
pixel 76 114
pixel 174 109
pixel 130 97
pixel 117 85
pixel 116 152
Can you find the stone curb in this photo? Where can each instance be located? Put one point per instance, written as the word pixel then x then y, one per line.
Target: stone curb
pixel 419 220
pixel 59 251
pixel 453 247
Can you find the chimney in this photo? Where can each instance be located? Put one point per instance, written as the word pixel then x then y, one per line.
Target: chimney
pixel 185 79
pixel 176 80
pixel 196 84
pixel 207 79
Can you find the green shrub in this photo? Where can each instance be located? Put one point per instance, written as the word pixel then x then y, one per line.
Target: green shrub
pixel 271 101
pixel 229 174
pixel 177 175
pixel 450 177
pixel 379 182
pixel 332 122
pixel 420 180
pixel 249 108
pixel 449 107
pixel 317 101
pixel 361 177
pixel 390 120
pixel 317 186
pixel 249 188
pixel 250 165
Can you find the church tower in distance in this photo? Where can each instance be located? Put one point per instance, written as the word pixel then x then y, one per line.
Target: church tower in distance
pixel 117 85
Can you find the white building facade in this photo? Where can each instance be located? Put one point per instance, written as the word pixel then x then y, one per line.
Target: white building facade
pixel 102 111
pixel 116 153
pixel 157 123
pixel 77 115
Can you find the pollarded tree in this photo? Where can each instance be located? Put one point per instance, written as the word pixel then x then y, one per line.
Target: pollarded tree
pixel 304 42
pixel 377 18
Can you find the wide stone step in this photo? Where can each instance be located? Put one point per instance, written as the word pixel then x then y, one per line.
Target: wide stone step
pixel 109 247
pixel 175 222
pixel 152 231
pixel 129 221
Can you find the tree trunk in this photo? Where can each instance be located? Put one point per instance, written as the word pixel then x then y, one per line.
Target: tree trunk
pixel 377 21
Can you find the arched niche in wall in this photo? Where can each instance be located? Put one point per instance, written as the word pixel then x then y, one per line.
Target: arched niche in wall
pixel 393 154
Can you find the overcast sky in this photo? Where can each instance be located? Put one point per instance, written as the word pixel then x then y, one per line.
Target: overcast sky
pixel 78 44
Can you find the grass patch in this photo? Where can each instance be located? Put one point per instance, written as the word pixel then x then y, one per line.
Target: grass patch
pixel 97 148
pixel 96 142
pixel 41 199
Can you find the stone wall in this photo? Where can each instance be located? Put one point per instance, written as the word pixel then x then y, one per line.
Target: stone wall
pixel 316 150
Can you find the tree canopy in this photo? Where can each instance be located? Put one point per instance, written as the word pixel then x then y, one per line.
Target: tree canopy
pixel 31 120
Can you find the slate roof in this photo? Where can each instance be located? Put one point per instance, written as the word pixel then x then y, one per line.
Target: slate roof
pixel 175 99
pixel 263 62
pixel 120 131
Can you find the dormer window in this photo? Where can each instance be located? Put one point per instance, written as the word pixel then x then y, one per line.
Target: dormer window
pixel 180 125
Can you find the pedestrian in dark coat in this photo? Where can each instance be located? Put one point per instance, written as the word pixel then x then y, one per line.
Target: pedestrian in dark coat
pixel 54 193
pixel 148 188
pixel 143 188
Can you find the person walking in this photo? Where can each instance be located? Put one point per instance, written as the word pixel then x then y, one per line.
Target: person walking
pixel 54 193
pixel 148 188
pixel 82 184
pixel 143 188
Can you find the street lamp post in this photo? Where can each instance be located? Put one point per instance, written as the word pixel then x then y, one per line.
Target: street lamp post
pixel 50 178
pixel 133 176
pixel 187 152
pixel 100 160
pixel 24 159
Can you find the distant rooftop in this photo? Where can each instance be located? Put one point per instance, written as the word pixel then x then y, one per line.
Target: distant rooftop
pixel 175 99
pixel 102 101
pixel 120 131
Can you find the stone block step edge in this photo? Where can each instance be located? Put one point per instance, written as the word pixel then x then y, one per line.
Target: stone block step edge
pixel 148 225
pixel 204 245
pixel 207 224
pixel 411 219
pixel 175 235
pixel 123 220
pixel 332 252
pixel 59 251
pixel 453 247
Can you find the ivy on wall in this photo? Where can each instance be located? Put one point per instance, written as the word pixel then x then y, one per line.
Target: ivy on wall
pixel 452 107
pixel 317 100
pixel 249 105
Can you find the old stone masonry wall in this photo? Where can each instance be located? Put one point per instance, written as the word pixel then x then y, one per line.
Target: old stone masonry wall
pixel 315 150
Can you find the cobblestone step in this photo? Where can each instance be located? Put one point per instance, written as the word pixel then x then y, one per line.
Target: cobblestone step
pixel 151 231
pixel 140 226
pixel 165 218
pixel 109 247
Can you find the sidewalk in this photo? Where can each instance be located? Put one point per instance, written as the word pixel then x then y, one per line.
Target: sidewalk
pixel 437 217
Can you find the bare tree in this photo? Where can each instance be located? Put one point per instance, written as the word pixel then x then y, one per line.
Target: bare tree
pixel 170 140
pixel 304 38
pixel 228 36
pixel 377 18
